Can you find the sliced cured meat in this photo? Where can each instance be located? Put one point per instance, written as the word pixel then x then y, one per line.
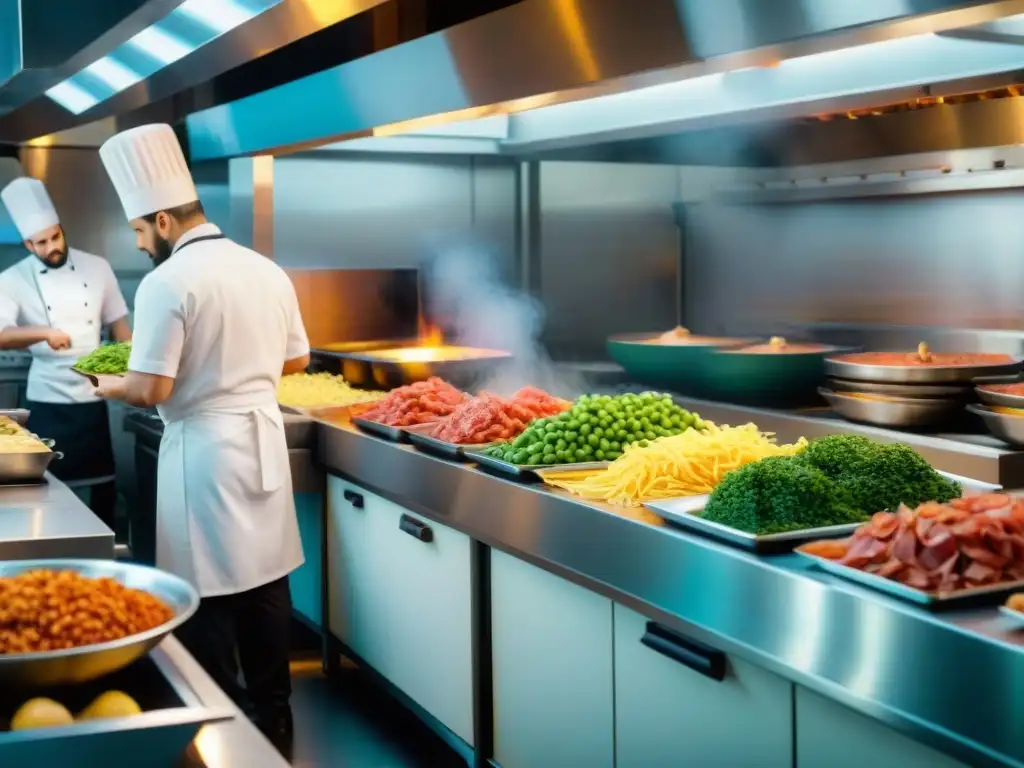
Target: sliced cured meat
pixel 940 547
pixel 419 403
pixel 489 418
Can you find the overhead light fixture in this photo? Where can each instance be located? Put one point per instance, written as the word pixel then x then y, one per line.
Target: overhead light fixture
pixel 219 15
pixel 161 44
pixel 113 73
pixel 72 97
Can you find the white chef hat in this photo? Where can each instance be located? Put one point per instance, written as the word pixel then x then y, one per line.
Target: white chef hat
pixel 148 170
pixel 30 206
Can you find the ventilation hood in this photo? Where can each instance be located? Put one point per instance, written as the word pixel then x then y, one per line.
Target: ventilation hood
pixel 574 74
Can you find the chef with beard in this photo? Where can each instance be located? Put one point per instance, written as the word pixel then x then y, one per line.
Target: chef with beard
pixel 216 326
pixel 57 301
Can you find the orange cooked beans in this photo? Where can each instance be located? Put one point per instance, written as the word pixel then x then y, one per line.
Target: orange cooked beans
pixel 52 610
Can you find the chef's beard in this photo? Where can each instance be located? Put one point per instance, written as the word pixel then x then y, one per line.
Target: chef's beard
pixel 55 259
pixel 161 251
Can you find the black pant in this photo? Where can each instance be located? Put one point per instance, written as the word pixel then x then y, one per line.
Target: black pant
pixel 252 628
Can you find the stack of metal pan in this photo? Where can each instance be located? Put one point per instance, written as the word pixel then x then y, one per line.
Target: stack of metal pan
pixel 906 396
pixel 1001 407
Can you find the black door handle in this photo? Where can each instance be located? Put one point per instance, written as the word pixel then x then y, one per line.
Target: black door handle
pixel 416 529
pixel 701 658
pixel 355 499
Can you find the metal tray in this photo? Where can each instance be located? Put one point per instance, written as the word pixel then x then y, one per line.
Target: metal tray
pixel 898 412
pixel 980 595
pixel 420 437
pixel 17 415
pixel 78 665
pixel 527 471
pixel 901 390
pixel 683 512
pixel 913 374
pixel 26 467
pixel 96 378
pixel 998 398
pixel 394 434
pixel 1009 429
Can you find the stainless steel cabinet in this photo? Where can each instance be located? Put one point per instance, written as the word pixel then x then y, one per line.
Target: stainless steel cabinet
pixel 679 703
pixel 829 735
pixel 552 669
pixel 401 592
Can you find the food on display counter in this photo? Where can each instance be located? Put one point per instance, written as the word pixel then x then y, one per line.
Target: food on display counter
pixel 321 390
pixel 688 464
pixel 970 542
pixel 681 337
pixel 44 610
pixel 779 346
pixel 489 418
pixel 40 713
pixel 924 357
pixel 47 713
pixel 14 438
pixel 108 360
pixel 419 403
pixel 597 428
pixel 1016 602
pixel 837 480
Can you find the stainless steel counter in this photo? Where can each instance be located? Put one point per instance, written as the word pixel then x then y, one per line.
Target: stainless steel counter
pixel 950 679
pixel 49 520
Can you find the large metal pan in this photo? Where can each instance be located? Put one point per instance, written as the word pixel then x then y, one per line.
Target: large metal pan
pixel 679 367
pixel 1009 429
pixel 998 398
pixel 26 467
pixel 380 368
pixel 915 374
pixel 79 665
pixel 903 412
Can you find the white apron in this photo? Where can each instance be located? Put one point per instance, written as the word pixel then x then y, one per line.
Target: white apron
pixel 72 306
pixel 225 511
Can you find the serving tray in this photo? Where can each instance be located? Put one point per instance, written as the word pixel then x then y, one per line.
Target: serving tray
pixel 526 471
pixel 420 437
pixel 959 598
pixel 685 513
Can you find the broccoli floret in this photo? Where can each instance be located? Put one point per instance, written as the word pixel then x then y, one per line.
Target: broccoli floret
pixel 839 455
pixel 779 494
pixel 895 474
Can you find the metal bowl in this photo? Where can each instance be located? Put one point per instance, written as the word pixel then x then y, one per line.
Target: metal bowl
pixel 914 374
pixel 1009 429
pixel 88 662
pixel 898 412
pixel 933 391
pixel 998 398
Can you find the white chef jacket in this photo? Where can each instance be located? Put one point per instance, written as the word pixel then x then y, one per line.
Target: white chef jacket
pixel 221 320
pixel 79 298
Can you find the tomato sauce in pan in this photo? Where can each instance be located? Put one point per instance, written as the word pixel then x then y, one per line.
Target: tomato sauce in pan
pixel 934 360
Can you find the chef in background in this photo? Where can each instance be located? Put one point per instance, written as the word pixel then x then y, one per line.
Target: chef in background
pixel 57 302
pixel 216 326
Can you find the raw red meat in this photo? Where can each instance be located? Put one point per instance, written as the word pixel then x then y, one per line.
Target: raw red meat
pixel 970 542
pixel 420 403
pixel 489 418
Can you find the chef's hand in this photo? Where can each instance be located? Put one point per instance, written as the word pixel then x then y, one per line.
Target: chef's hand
pixel 58 339
pixel 111 389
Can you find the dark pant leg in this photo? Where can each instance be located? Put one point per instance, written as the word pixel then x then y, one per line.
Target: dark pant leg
pixel 264 617
pixel 103 502
pixel 211 637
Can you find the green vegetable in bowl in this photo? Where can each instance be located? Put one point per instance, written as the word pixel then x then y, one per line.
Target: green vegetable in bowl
pixel 597 428
pixel 108 360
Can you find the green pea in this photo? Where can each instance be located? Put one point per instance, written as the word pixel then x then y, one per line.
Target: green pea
pixel 535 448
pixel 549 458
pixel 593 441
pixel 520 457
pixel 535 460
pixel 585 429
pixel 561 445
pixel 581 455
pixel 615 445
pixel 571 436
pixel 599 454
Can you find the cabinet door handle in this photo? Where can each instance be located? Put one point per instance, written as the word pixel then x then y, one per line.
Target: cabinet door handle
pixel 416 529
pixel 355 499
pixel 701 658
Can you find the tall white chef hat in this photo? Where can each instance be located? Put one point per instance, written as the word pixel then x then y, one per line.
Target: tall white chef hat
pixel 30 206
pixel 148 170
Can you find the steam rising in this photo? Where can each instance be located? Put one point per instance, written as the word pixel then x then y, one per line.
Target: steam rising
pixel 467 295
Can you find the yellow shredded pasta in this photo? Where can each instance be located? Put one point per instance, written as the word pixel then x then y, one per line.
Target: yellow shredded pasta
pixel 318 390
pixel 688 464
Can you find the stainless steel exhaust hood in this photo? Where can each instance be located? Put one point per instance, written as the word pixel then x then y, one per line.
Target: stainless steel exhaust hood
pixel 540 53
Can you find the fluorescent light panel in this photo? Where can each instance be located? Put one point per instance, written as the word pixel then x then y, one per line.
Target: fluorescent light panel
pixel 218 16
